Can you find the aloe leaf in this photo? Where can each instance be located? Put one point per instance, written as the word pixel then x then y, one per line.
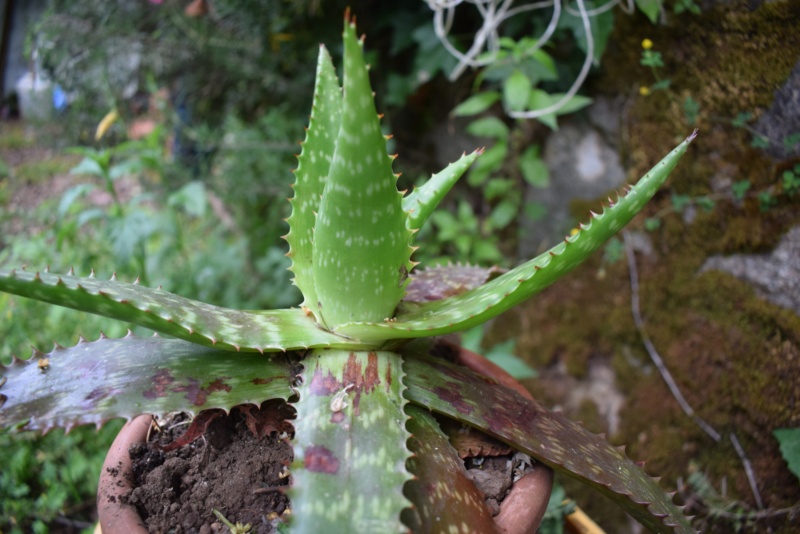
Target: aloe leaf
pixel 549 437
pixel 361 248
pixel 350 444
pixel 474 307
pixel 167 313
pixel 423 200
pixel 93 382
pixel 312 172
pixel 442 493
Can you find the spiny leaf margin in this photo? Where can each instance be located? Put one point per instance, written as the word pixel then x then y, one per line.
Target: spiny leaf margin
pixel 311 174
pixel 350 443
pixel 93 382
pixel 423 200
pixel 551 438
pixel 475 307
pixel 362 251
pixel 442 492
pixel 167 313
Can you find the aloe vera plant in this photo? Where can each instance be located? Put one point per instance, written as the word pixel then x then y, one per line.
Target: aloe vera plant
pixel 364 388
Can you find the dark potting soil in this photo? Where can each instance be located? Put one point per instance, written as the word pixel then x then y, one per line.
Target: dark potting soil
pixel 238 466
pixel 237 463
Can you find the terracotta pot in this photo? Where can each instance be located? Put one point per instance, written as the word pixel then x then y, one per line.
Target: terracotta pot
pixel 520 512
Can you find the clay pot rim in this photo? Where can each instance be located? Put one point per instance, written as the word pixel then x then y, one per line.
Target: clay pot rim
pixel 116 480
pixel 521 511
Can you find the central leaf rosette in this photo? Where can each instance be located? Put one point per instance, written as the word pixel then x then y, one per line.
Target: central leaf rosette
pixel 350 241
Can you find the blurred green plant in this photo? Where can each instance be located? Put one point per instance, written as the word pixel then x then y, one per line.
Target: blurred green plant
pixel 50 482
pixel 684 6
pixel 238 58
pixel 517 69
pixel 496 179
pixel 558 507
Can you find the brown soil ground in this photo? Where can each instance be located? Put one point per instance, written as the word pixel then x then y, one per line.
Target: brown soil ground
pixel 228 469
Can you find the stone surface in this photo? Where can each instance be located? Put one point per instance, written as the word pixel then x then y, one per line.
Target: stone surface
pixel 775 276
pixel 782 119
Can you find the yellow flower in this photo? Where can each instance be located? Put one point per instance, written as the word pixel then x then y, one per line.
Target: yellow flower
pixel 644 91
pixel 105 124
pixel 573 232
pixel 647 44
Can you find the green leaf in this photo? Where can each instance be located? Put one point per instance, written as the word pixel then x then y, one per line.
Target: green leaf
pixel 312 172
pixel 479 305
pixel 759 141
pixel 789 440
pixel 652 59
pixel 535 211
pixel 691 108
pixel 491 161
pixel 503 355
pixel 766 201
pixel 485 250
pixel 516 91
pixel 71 195
pixel 742 118
pixel 533 168
pixel 601 25
pixel 661 85
pixel 442 493
pixel 191 198
pixel 361 248
pixel 167 313
pixel 93 382
pixel 791 140
pixel 740 188
pixel 651 224
pixel 423 200
pixel 89 167
pixel 350 444
pixel 488 127
pixel 498 188
pixel 651 8
pixel 707 203
pixel 545 67
pixel 540 100
pixel 549 437
pixel 679 202
pixel 502 214
pixel 477 103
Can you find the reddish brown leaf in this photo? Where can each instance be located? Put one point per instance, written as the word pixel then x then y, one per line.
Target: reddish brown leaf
pixel 272 417
pixel 444 281
pixel 197 428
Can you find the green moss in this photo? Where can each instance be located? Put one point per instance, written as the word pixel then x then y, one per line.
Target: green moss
pixel 735 356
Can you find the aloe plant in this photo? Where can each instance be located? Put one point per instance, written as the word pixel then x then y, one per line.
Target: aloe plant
pixel 364 389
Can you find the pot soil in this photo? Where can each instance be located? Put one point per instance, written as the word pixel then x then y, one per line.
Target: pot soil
pixel 236 464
